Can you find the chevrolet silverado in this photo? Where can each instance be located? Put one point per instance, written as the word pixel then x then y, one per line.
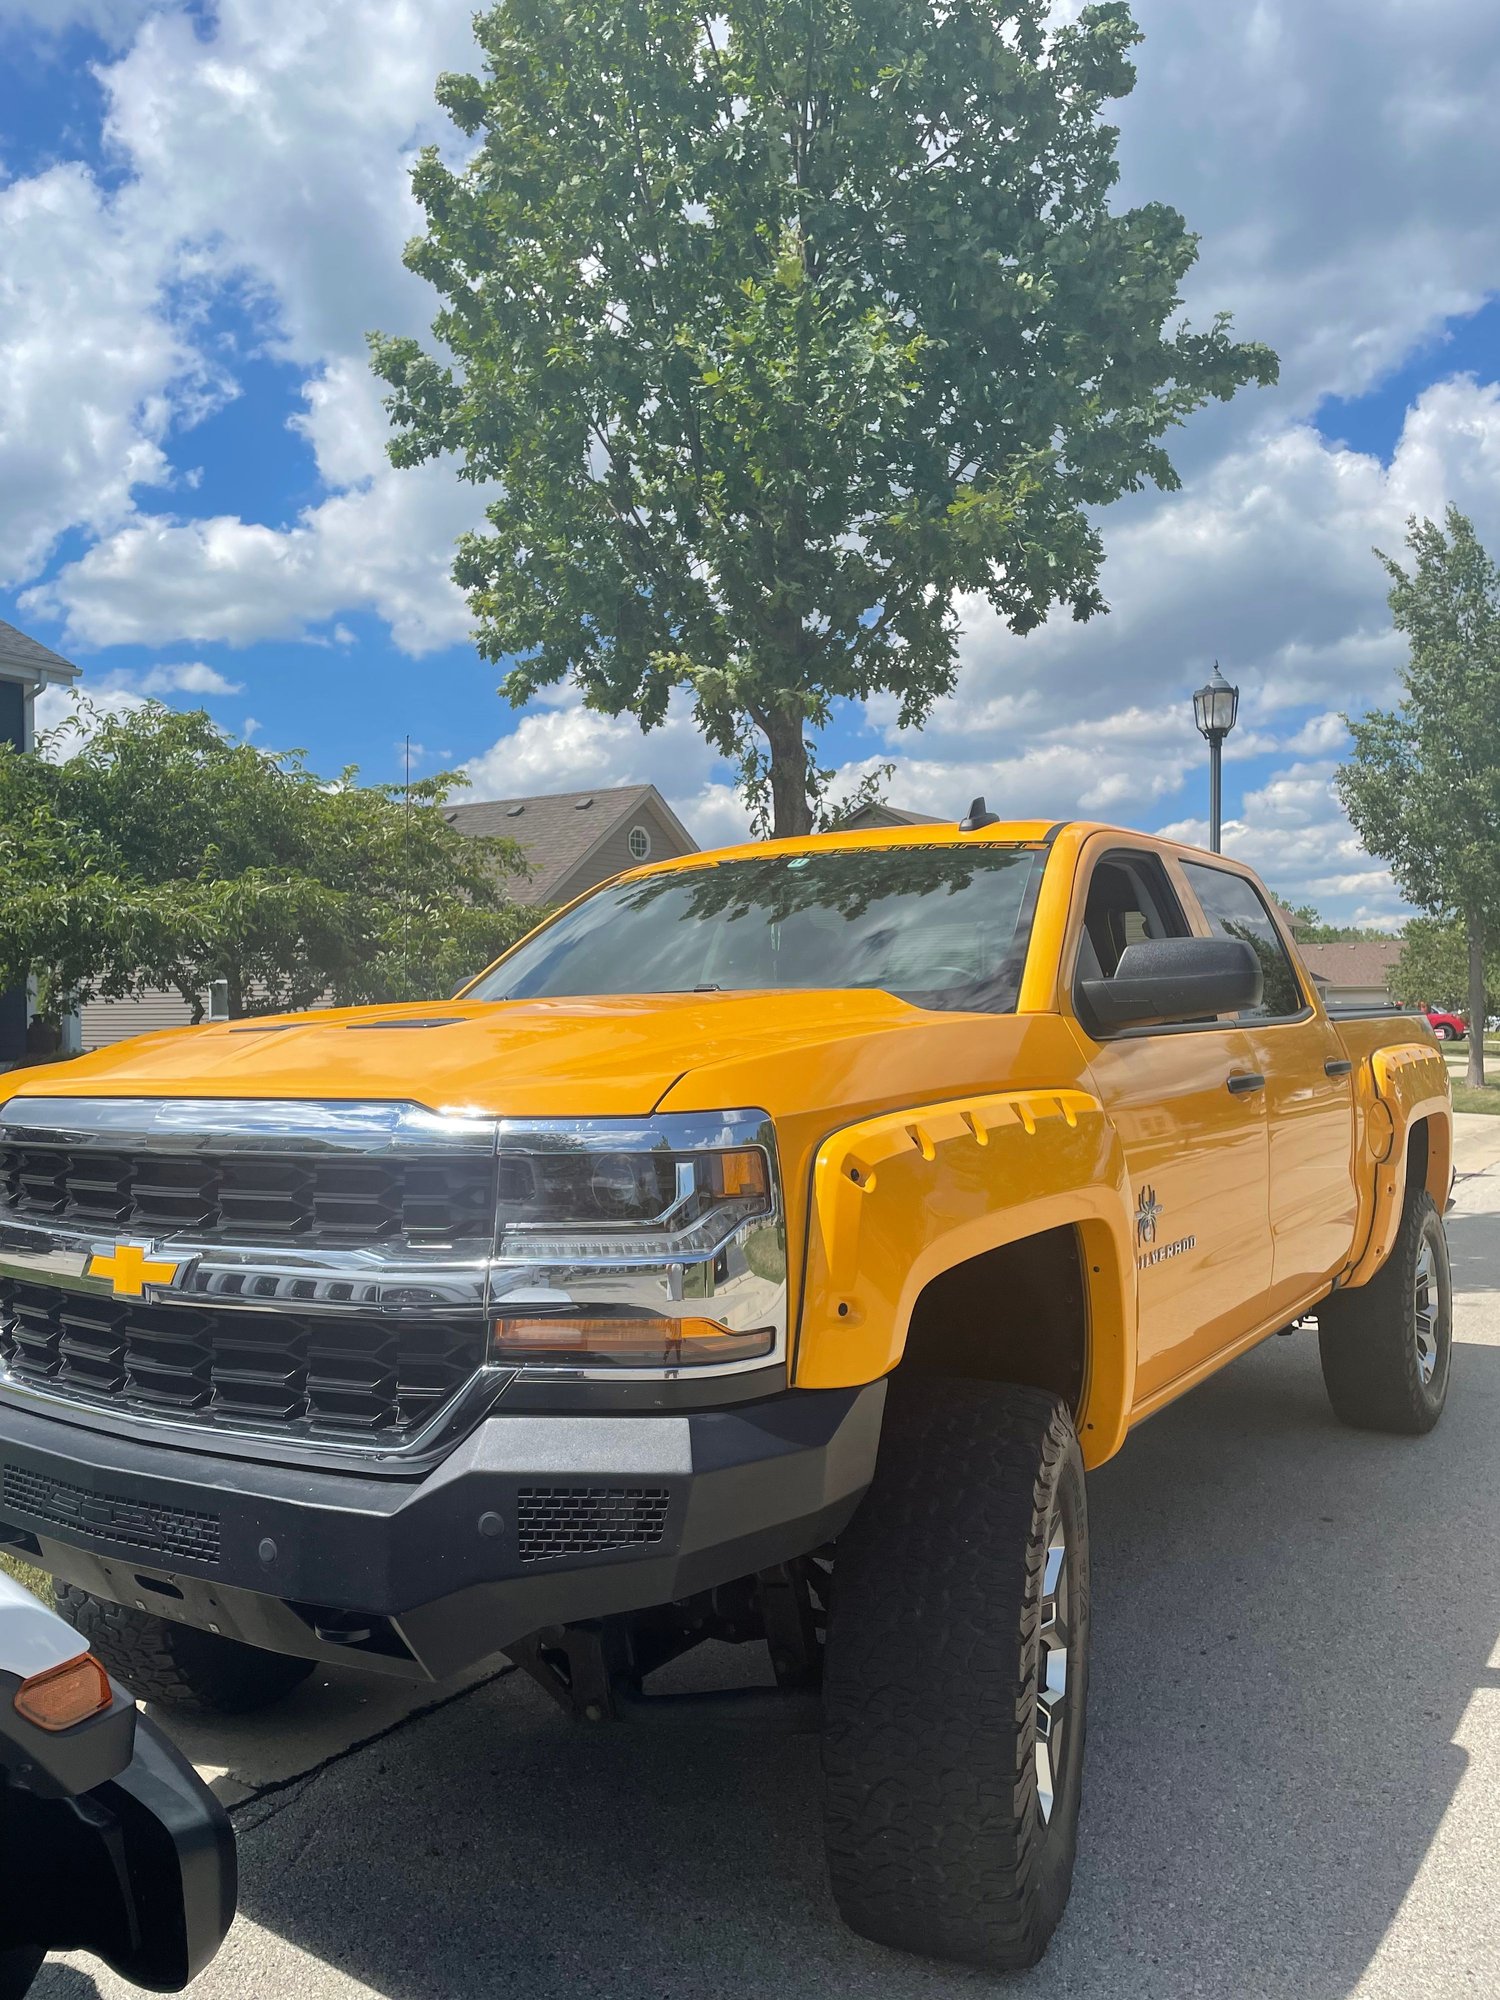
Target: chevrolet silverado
pixel 762 1249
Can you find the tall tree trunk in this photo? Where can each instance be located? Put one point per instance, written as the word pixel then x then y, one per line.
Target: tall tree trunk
pixel 1474 926
pixel 791 811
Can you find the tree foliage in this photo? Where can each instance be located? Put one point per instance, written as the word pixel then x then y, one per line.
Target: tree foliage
pixel 1423 786
pixel 771 327
pixel 1433 969
pixel 160 854
pixel 1308 927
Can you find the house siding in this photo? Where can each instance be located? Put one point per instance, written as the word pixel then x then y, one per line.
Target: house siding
pixel 613 856
pixel 107 1021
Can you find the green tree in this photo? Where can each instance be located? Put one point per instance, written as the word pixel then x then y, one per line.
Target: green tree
pixel 1423 786
pixel 1308 927
pixel 769 328
pixel 1433 970
pixel 160 854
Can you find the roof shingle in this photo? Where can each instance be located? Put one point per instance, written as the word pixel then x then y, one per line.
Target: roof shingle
pixel 558 829
pixel 1358 962
pixel 19 649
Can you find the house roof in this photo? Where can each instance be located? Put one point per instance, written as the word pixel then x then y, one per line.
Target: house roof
pixel 22 655
pixel 559 830
pixel 1360 962
pixel 880 814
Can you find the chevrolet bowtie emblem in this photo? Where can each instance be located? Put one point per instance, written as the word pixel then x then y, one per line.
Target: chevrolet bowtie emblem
pixel 129 1269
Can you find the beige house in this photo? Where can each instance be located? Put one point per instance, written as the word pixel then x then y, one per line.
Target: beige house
pixel 880 815
pixel 573 840
pixel 1357 974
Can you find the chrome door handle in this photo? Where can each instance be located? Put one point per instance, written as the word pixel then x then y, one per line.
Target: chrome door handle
pixel 1244 1081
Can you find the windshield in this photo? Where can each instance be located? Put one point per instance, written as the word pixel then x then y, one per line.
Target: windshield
pixel 942 927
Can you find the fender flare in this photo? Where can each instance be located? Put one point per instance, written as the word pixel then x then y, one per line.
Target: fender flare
pixel 900 1198
pixel 1408 1084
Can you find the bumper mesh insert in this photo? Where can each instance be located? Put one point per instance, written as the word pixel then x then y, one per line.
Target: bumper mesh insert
pixel 557 1521
pixel 111 1517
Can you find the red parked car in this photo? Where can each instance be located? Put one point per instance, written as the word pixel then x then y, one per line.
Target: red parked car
pixel 1447 1027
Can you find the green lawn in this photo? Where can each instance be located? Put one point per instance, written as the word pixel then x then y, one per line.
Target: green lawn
pixel 34 1579
pixel 1456 1055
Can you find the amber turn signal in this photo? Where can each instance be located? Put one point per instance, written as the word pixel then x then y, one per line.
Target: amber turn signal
pixel 739 1173
pixel 626 1343
pixel 65 1695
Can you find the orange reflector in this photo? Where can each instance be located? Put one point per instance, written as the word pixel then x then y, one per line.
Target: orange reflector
pixel 65 1695
pixel 742 1172
pixel 641 1343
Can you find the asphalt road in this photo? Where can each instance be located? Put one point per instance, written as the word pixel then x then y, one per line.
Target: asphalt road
pixel 1294 1758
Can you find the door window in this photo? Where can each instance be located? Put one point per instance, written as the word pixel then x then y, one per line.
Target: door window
pixel 1234 908
pixel 1129 901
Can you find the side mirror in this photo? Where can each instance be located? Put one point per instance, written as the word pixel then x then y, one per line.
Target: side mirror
pixel 1175 979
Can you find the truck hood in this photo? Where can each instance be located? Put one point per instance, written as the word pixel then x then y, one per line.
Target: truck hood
pixel 598 1057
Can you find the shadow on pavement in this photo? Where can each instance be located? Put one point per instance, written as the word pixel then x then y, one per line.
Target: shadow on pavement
pixel 1475 1266
pixel 1290 1621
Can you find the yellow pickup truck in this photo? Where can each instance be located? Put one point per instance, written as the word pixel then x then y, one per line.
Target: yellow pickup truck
pixel 762 1250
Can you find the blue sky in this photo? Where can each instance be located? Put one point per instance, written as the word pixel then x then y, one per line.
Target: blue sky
pixel 201 213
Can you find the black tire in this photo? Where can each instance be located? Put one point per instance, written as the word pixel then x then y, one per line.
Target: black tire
pixel 19 1966
pixel 196 1673
pixel 1443 1032
pixel 1385 1371
pixel 937 1837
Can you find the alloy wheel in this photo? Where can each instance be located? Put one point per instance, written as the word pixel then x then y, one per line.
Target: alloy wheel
pixel 1426 1305
pixel 1054 1638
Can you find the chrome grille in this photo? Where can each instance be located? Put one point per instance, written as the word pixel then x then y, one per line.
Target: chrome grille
pixel 321 1374
pixel 261 1196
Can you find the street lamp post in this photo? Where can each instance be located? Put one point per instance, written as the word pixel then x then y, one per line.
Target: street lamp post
pixel 1215 706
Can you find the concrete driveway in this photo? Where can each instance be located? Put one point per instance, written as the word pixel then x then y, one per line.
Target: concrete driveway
pixel 1294 1760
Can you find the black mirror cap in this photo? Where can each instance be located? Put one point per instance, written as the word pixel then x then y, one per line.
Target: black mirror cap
pixel 1175 979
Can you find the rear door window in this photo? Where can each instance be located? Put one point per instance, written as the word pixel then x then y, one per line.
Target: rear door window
pixel 1234 908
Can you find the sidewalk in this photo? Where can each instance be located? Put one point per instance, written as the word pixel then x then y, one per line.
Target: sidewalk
pixel 1476 1142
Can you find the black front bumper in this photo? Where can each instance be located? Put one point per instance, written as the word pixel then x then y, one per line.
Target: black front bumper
pixel 531 1521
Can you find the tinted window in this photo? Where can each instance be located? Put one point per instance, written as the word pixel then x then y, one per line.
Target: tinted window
pixel 943 927
pixel 1234 909
pixel 1129 901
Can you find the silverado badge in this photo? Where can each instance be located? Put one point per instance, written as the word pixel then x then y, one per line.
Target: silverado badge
pixel 1147 1212
pixel 130 1268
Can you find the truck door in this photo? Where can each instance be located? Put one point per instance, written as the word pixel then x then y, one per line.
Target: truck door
pixel 1192 1124
pixel 1309 1096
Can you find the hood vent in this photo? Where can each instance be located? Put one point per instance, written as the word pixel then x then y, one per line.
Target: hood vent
pixel 378 1027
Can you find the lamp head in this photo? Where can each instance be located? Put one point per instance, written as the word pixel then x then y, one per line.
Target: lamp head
pixel 1215 707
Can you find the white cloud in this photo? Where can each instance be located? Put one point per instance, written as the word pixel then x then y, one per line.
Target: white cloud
pixel 569 747
pixel 1319 736
pixel 268 157
pixel 160 579
pixel 1326 154
pixel 188 677
pixel 94 374
pixel 1320 862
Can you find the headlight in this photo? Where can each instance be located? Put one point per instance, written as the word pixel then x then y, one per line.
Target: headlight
pixel 646 1246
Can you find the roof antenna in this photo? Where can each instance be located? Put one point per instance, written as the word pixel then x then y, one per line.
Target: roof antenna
pixel 978 817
